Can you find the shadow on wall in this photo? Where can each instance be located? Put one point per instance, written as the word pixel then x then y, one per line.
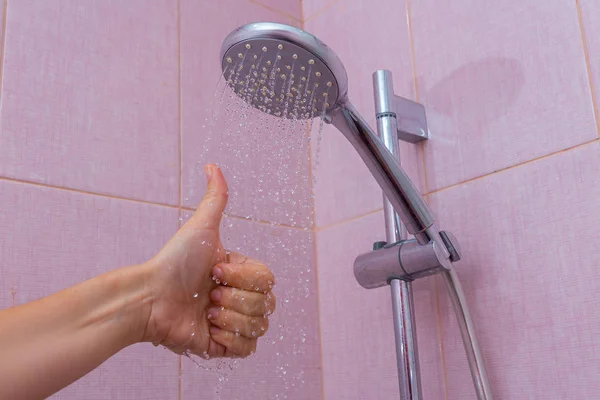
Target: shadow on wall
pixel 475 94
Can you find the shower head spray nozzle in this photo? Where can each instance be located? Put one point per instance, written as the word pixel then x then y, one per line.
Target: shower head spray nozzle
pixel 283 70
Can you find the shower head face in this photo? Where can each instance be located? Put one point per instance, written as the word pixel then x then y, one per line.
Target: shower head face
pixel 283 71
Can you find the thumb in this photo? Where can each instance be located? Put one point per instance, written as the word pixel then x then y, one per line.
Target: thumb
pixel 213 204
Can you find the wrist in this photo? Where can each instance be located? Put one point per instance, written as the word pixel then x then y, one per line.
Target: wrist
pixel 131 301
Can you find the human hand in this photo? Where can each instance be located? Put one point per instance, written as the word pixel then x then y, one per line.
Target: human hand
pixel 204 299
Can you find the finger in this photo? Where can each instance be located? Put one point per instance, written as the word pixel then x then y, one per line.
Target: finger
pixel 253 277
pixel 209 212
pixel 214 349
pixel 239 258
pixel 236 346
pixel 240 324
pixel 243 301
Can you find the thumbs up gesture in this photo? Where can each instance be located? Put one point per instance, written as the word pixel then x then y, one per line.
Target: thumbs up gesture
pixel 205 300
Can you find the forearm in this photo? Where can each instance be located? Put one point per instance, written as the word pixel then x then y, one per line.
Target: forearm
pixel 48 344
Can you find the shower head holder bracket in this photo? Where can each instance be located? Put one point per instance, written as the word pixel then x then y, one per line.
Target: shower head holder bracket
pixel 411 117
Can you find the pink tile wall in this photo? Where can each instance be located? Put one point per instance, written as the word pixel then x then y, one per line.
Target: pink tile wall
pixel 529 236
pixel 359 360
pixel 345 188
pixel 287 364
pixel 89 96
pixel 503 83
pixel 52 239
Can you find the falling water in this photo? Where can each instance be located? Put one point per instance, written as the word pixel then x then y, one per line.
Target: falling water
pixel 266 157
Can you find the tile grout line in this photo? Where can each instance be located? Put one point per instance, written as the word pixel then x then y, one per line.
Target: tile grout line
pixel 150 203
pixel 302 14
pixel 2 50
pixel 256 221
pixel 413 60
pixel 72 190
pixel 3 44
pixel 499 171
pixel 412 50
pixel 425 178
pixel 588 65
pixel 179 170
pixel 179 125
pixel 282 13
pixel 321 11
pixel 316 258
pixel 315 251
pixel 316 229
pixel 348 220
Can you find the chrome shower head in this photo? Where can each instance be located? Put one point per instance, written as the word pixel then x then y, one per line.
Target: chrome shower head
pixel 283 70
pixel 287 72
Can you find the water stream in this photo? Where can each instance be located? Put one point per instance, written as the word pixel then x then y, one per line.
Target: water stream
pixel 262 141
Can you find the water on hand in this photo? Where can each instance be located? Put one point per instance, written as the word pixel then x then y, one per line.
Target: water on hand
pixel 260 135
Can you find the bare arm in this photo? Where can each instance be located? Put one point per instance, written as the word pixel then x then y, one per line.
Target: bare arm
pixel 49 343
pixel 171 300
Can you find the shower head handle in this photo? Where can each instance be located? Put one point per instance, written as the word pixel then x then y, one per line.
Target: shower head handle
pixel 386 170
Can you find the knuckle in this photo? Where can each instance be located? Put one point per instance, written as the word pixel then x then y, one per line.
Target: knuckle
pixel 235 274
pixel 227 296
pixel 256 308
pixel 264 280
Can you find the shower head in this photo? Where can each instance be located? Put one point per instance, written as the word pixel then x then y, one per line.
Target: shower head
pixel 289 73
pixel 283 70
